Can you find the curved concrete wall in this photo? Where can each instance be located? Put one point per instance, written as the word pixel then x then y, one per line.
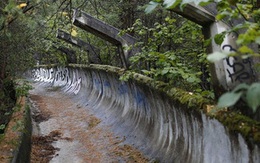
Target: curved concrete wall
pixel 164 129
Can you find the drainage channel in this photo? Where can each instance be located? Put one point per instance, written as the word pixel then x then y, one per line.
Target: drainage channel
pixel 64 131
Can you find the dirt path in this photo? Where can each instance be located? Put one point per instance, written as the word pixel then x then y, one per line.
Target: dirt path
pixel 65 132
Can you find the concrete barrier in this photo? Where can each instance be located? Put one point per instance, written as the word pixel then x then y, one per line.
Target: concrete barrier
pixel 166 123
pixel 16 145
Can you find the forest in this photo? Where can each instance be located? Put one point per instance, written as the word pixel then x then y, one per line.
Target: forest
pixel 172 48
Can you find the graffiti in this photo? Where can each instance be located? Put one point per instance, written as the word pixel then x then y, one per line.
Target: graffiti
pixel 107 84
pixel 50 75
pixel 239 70
pixel 122 89
pixel 97 84
pixel 43 75
pixel 73 85
pixel 139 97
pixel 59 77
pixel 77 86
pixel 35 74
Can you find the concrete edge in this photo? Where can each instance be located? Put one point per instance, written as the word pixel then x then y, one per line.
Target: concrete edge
pixel 17 140
pixel 23 151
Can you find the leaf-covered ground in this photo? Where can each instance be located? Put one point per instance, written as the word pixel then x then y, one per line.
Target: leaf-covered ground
pixel 66 132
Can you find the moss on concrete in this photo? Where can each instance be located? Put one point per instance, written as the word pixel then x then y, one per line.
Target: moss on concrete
pixel 16 144
pixel 235 121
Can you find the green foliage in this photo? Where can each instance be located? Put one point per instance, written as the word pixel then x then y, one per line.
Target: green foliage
pixel 19 125
pixel 7 101
pixel 192 100
pixel 217 56
pixel 249 30
pixel 229 99
pixel 2 126
pixel 151 6
pixel 219 38
pixel 171 4
pixel 126 76
pixel 249 33
pixel 249 93
pixel 253 96
pixel 23 88
pixel 168 50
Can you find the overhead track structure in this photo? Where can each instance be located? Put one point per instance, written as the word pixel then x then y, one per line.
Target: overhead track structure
pixel 225 74
pixel 93 52
pixel 125 43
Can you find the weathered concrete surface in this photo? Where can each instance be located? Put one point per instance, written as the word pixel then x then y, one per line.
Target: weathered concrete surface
pixel 101 29
pixel 163 129
pixel 197 14
pixel 83 137
pixel 107 32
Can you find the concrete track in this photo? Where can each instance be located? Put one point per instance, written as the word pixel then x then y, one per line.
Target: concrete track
pixel 162 128
pixel 79 136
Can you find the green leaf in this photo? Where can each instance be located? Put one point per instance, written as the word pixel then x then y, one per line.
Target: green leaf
pixel 146 72
pixel 204 2
pixel 191 79
pixel 232 2
pixel 196 2
pixel 216 56
pixel 221 16
pixel 2 20
pixel 245 49
pixel 151 6
pixel 207 42
pixel 219 38
pixel 240 26
pixel 257 40
pixel 240 87
pixel 228 99
pixel 253 96
pixel 164 71
pixel 171 4
pixel 240 40
pixel 2 126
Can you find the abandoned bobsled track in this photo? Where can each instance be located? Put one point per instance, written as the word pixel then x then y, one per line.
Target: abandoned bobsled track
pixel 131 114
pixel 68 132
